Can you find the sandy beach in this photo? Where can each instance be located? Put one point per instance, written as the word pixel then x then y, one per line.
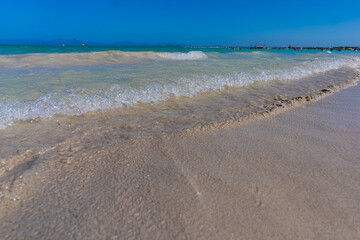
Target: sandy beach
pixel 179 120
pixel 293 175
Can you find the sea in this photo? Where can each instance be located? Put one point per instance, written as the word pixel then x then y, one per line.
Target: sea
pixel 50 93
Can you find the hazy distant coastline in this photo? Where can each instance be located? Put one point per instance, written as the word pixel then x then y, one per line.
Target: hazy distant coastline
pixel 77 42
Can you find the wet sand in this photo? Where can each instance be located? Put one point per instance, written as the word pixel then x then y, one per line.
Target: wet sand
pixel 293 175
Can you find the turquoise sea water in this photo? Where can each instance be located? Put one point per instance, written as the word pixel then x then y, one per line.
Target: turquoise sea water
pixel 39 82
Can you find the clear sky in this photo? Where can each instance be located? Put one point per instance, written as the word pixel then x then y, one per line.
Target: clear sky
pixel 222 22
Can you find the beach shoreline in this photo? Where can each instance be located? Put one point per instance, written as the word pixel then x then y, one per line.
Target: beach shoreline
pixel 293 175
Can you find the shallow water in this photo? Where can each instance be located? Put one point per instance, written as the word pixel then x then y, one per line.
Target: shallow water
pixel 74 81
pixel 48 93
pixel 83 99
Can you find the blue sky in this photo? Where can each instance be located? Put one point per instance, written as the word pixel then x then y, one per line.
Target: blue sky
pixel 223 22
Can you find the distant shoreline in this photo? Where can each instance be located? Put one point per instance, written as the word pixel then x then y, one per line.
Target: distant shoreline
pixel 340 48
pixel 337 48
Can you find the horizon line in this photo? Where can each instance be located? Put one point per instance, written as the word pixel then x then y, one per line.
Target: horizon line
pixel 181 46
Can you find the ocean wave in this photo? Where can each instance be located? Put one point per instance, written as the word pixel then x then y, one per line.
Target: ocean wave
pixel 91 58
pixel 71 102
pixel 192 55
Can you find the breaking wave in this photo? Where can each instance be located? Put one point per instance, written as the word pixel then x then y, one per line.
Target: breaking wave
pixel 72 102
pixel 92 58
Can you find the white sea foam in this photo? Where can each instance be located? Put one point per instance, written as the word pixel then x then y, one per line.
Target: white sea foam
pixel 192 55
pixel 79 102
pixel 91 58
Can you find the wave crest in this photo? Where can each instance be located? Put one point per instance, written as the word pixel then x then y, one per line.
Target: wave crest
pixel 92 58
